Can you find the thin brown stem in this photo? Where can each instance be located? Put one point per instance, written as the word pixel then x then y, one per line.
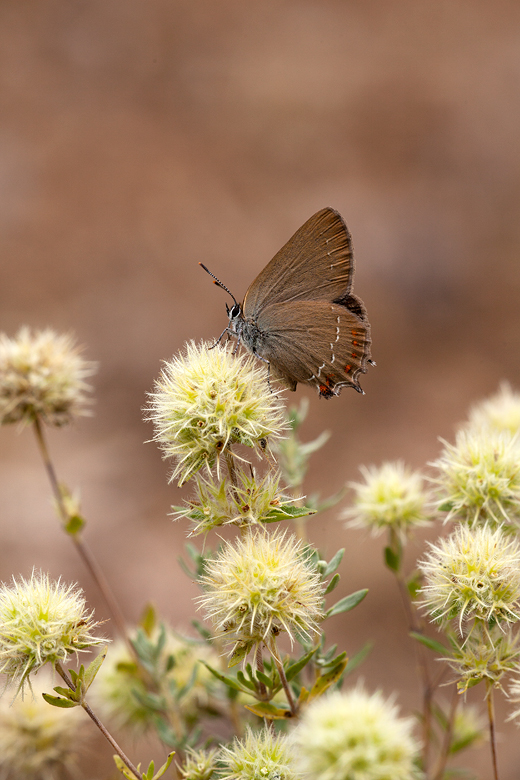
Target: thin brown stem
pixel 492 734
pixel 438 773
pixel 63 674
pixel 428 687
pixel 283 679
pixel 83 550
pixel 259 661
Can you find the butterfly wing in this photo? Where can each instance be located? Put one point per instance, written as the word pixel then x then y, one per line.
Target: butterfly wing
pixel 316 264
pixel 323 344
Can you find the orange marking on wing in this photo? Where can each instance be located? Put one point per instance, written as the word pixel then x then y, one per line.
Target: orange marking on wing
pixel 347 368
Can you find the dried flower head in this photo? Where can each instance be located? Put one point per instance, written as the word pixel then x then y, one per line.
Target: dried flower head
pixel 208 399
pixel 41 622
pixel 120 690
pixel 252 501
pixel 354 736
pixel 37 741
pixel 199 764
pixel 479 478
pixel 42 375
pixel 501 412
pixel 474 573
pixel 487 654
pixel 261 755
pixel 259 586
pixel 391 498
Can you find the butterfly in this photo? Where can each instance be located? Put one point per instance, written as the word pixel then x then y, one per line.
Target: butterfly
pixel 300 315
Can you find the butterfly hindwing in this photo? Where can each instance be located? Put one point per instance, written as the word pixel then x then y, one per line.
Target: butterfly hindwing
pixel 317 343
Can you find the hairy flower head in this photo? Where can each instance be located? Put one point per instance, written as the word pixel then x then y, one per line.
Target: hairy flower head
pixel 252 501
pixel 479 478
pixel 42 375
pixel 261 755
pixel 474 573
pixel 208 399
pixel 120 689
pixel 501 412
pixel 485 655
pixel 354 736
pixel 41 622
pixel 37 741
pixel 199 764
pixel 391 497
pixel 260 585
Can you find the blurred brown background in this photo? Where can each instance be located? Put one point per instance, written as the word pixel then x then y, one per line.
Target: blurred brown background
pixel 139 138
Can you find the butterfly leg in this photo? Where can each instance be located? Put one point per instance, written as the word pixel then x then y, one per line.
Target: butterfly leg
pixel 226 330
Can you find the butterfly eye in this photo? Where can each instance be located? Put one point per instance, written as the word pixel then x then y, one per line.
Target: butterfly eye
pixel 234 311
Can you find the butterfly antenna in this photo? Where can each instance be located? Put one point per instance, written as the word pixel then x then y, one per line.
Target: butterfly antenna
pixel 219 283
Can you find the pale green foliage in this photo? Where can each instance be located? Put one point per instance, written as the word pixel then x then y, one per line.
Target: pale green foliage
pixel 479 478
pixel 42 376
pixel 354 736
pixel 121 690
pixel 261 755
pixel 392 497
pixel 208 399
pixel 474 573
pixel 259 584
pixel 37 741
pixel 41 622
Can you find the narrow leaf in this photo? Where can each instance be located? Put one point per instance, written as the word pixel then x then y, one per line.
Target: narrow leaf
pixel 57 701
pixel 266 710
pixel 334 562
pixel 332 584
pixel 295 668
pixel 432 644
pixel 347 603
pixel 162 770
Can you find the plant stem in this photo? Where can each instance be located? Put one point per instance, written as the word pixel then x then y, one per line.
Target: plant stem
pixel 63 674
pixel 283 679
pixel 492 734
pixel 438 773
pixel 415 625
pixel 84 552
pixel 260 667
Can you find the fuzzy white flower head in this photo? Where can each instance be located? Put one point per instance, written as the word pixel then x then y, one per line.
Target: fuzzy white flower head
pixel 207 400
pixel 42 375
pixel 479 478
pixel 474 573
pixel 41 622
pixel 262 755
pixel 119 688
pixel 260 585
pixel 354 736
pixel 199 764
pixel 501 412
pixel 37 741
pixel 391 498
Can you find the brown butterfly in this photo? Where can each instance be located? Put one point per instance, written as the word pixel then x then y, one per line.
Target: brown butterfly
pixel 300 315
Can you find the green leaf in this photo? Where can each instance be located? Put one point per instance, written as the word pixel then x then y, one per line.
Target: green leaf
pixel 265 679
pixel 265 709
pixel 347 603
pixel 240 651
pixel 431 644
pixel 446 507
pixel 296 667
pixel 120 764
pixel 165 766
pixel 224 678
pixel 74 525
pixel 334 562
pixel 326 680
pixel 414 583
pixel 57 701
pixel 148 619
pixel 335 661
pixel 332 584
pixel 93 668
pixel 358 659
pixel 392 559
pixel 278 513
pixel 244 682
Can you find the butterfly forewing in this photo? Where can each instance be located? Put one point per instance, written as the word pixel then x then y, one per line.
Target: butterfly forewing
pixel 316 264
pixel 317 343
